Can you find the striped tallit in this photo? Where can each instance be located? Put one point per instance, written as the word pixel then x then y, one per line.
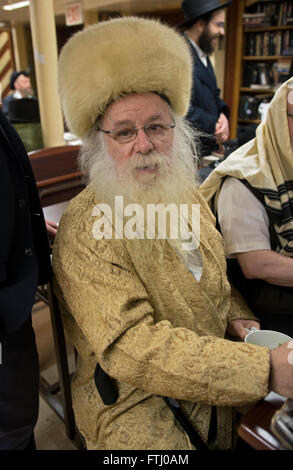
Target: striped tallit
pixel 266 163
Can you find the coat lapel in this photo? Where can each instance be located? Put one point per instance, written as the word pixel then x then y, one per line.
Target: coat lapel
pixel 204 74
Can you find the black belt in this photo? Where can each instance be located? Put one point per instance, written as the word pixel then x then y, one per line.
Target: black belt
pixel 194 437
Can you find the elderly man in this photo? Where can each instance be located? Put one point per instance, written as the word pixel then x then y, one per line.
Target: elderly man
pixel 204 24
pixel 254 207
pixel 147 313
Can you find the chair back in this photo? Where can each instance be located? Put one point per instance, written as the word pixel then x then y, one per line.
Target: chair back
pixel 57 174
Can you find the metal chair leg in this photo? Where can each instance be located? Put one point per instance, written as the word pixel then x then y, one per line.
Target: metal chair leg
pixel 64 410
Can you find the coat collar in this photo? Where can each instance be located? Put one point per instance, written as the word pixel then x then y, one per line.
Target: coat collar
pixel 205 74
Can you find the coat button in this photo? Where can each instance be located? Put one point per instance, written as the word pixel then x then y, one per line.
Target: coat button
pixel 28 252
pixel 21 203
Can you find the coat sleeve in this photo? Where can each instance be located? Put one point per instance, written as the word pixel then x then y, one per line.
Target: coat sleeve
pixel 204 111
pixel 201 119
pixel 205 120
pixel 223 107
pixel 238 307
pixel 6 216
pixel 111 306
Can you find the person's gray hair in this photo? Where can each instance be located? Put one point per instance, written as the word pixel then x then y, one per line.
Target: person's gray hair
pixel 186 140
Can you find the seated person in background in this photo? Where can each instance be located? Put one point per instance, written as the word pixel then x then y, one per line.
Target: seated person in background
pixel 252 195
pixel 152 310
pixel 20 83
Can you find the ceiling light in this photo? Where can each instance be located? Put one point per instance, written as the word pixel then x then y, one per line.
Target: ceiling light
pixel 14 6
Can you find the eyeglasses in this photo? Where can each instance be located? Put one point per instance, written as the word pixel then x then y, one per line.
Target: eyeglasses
pixel 154 131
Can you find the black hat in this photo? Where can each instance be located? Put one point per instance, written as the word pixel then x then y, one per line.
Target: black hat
pixel 193 9
pixel 14 76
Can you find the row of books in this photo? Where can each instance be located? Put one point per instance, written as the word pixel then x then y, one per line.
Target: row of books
pixel 255 20
pixel 269 14
pixel 266 75
pixel 269 43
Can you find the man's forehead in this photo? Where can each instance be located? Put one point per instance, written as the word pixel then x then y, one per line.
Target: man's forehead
pixel 145 105
pixel 22 78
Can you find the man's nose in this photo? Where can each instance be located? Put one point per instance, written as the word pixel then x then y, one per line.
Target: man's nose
pixel 142 143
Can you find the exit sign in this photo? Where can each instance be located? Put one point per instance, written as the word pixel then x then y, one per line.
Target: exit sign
pixel 73 14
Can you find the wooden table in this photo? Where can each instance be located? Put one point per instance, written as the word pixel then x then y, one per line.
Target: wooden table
pixel 254 427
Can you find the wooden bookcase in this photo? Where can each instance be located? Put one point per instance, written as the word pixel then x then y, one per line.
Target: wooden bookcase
pixel 252 50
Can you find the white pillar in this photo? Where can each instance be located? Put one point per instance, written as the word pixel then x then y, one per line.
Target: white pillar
pixel 44 39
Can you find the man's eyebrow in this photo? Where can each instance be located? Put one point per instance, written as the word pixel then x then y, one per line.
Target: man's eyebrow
pixel 155 117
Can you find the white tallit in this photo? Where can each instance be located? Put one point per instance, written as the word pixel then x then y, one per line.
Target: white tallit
pixel 266 163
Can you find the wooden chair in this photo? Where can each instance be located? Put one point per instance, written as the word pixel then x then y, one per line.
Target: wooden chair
pixel 57 174
pixel 58 179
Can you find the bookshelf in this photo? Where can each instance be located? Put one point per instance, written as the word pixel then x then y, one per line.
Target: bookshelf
pixel 259 55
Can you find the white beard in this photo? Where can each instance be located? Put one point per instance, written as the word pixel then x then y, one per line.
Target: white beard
pixel 174 182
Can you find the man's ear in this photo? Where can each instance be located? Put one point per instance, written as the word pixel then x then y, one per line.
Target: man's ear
pixel 201 24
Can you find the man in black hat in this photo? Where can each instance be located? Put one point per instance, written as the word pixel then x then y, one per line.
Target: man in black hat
pixel 204 24
pixel 20 83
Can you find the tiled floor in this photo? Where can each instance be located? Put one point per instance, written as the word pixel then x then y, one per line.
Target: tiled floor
pixel 50 431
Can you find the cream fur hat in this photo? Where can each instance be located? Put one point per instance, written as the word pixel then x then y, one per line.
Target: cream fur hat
pixel 110 59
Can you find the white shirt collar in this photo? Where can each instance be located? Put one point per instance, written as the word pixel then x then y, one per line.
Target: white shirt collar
pixel 203 57
pixel 17 95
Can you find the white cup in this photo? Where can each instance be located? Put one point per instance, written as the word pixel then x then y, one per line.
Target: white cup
pixel 270 339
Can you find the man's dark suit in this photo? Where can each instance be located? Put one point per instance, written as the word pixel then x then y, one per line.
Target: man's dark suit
pixel 205 104
pixel 24 263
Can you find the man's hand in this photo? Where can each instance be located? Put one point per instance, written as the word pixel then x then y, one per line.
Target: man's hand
pixel 237 328
pixel 51 229
pixel 281 376
pixel 222 129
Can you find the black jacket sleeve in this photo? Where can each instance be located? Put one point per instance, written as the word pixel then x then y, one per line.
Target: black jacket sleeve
pixel 24 248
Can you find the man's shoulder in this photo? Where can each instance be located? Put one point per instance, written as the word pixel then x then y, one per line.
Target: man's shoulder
pixel 192 48
pixel 78 219
pixel 81 206
pixel 7 99
pixel 232 185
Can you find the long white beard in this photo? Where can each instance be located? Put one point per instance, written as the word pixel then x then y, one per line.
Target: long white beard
pixel 174 182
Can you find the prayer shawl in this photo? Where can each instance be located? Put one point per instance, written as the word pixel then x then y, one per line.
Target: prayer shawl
pixel 266 163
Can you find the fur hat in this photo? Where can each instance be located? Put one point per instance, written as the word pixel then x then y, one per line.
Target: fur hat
pixel 126 55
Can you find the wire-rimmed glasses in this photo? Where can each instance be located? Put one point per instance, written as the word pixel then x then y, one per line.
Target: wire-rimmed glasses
pixel 154 131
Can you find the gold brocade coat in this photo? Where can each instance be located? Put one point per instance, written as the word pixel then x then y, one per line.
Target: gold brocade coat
pixel 156 331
